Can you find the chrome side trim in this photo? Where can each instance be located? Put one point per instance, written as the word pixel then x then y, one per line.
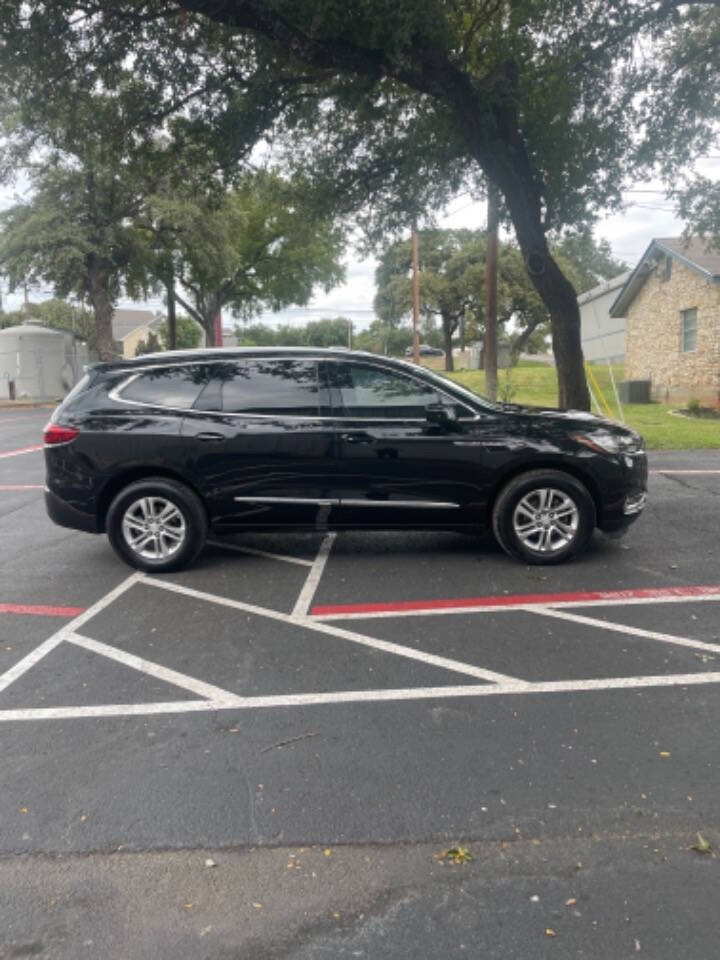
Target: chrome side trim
pixel 322 502
pixel 406 504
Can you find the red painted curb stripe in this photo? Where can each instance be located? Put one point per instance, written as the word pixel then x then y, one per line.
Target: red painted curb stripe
pixel 41 611
pixel 16 453
pixel 524 599
pixel 21 486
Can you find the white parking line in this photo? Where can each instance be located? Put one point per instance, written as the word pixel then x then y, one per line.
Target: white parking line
pixel 303 602
pixel 260 553
pixel 627 630
pixel 365 696
pixel 206 690
pixel 684 473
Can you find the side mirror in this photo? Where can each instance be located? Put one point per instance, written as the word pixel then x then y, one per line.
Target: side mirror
pixel 441 414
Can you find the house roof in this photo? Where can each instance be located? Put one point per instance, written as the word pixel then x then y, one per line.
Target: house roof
pixel 605 287
pixel 125 320
pixel 692 253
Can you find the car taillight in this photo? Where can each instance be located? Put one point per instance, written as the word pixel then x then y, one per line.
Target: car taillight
pixel 54 433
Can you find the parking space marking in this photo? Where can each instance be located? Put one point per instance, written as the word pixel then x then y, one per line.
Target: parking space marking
pixel 318 626
pixel 28 661
pixel 623 628
pixel 214 698
pixel 685 473
pixel 302 604
pixel 238 548
pixel 510 602
pixel 16 453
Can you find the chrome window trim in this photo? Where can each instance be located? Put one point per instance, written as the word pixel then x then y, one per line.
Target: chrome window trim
pixel 116 395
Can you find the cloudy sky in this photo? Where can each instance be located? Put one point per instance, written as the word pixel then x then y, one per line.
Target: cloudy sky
pixel 648 214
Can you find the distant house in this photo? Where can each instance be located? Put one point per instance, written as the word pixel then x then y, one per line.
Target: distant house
pixel 129 327
pixel 671 305
pixel 603 336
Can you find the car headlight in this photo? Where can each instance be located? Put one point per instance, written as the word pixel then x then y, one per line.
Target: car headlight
pixel 602 441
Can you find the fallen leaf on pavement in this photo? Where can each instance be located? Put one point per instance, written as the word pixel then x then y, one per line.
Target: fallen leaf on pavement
pixel 455 855
pixel 702 846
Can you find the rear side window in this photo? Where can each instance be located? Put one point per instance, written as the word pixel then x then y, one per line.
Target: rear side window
pixel 271 387
pixel 177 387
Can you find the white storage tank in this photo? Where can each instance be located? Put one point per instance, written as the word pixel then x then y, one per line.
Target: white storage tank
pixel 34 359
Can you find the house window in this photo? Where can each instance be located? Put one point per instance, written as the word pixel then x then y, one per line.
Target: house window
pixel 667 269
pixel 689 330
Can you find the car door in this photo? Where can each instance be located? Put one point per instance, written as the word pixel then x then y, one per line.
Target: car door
pixel 260 446
pixel 407 454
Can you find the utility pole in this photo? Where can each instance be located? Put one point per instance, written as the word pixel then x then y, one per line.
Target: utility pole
pixel 349 334
pixel 172 320
pixel 491 259
pixel 217 329
pixel 416 296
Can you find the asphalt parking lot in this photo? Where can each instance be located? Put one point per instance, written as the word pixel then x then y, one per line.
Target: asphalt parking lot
pixel 265 755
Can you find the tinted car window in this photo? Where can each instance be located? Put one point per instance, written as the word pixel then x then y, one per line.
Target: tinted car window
pixel 368 392
pixel 168 386
pixel 274 387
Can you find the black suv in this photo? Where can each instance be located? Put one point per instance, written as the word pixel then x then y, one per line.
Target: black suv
pixel 159 449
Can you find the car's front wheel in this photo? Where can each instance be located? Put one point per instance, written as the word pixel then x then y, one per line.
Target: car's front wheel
pixel 543 517
pixel 157 525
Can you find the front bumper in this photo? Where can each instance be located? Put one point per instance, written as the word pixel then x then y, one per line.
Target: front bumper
pixel 629 502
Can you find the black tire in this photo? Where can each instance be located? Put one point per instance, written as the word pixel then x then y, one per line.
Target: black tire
pixel 564 529
pixel 182 535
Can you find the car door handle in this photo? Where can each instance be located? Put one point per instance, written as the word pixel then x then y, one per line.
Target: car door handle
pixel 358 437
pixel 210 437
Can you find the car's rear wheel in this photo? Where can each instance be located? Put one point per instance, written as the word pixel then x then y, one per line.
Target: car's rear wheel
pixel 543 517
pixel 157 525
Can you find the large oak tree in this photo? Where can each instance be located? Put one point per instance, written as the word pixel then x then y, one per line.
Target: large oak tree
pixel 555 102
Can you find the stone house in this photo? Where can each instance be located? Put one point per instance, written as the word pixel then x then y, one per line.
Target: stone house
pixel 671 305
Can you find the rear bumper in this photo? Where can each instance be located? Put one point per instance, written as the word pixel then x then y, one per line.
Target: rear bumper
pixel 67 515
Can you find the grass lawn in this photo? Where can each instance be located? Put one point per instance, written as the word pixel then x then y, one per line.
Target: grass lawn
pixel 536 384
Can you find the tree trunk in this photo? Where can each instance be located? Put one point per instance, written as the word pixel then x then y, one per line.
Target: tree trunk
pixel 204 313
pixel 102 308
pixel 491 271
pixel 506 162
pixel 522 339
pixel 448 331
